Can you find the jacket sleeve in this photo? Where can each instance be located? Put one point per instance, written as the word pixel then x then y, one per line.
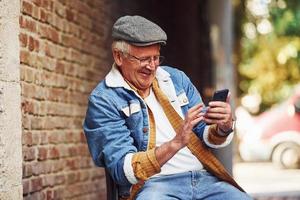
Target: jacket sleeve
pixel 107 136
pixel 109 142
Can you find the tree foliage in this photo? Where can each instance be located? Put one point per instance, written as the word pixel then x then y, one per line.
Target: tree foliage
pixel 270 45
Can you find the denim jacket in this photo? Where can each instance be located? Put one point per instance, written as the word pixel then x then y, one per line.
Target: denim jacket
pixel 117 121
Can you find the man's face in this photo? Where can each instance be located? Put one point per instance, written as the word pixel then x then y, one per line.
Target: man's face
pixel 139 65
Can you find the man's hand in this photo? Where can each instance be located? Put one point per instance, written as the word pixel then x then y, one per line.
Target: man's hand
pixel 193 117
pixel 219 113
pixel 167 150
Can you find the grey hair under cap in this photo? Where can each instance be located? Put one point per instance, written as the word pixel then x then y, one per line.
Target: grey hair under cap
pixel 138 31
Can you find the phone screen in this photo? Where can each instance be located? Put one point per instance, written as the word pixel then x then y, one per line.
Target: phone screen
pixel 220 95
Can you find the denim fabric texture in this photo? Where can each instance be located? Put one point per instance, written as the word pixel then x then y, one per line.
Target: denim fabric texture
pixel 117 122
pixel 195 185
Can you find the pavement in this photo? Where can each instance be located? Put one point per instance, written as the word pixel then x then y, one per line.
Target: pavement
pixel 264 181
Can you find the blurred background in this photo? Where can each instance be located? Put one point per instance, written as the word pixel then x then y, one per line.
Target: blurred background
pixel 268 112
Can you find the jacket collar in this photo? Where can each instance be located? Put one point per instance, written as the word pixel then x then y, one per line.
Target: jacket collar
pixel 115 79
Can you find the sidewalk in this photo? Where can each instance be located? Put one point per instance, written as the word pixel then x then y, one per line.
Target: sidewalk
pixel 263 181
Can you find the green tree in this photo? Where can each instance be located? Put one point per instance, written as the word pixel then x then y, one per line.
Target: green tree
pixel 270 47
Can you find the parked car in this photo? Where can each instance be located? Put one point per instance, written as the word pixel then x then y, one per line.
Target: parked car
pixel 273 135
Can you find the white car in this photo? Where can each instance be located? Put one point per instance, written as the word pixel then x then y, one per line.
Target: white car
pixel 273 135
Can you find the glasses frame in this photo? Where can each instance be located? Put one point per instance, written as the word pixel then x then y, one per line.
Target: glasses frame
pixel 144 61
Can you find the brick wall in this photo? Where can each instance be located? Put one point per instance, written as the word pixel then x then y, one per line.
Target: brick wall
pixel 64 53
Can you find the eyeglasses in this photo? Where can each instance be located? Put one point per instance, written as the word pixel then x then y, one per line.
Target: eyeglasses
pixel 144 61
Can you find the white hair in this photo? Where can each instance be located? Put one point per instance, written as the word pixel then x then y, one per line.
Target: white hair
pixel 121 46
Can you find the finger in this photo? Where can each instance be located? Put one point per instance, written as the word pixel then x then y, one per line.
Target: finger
pixel 201 114
pixel 189 126
pixel 196 121
pixel 217 104
pixel 228 97
pixel 195 108
pixel 193 112
pixel 212 121
pixel 216 116
pixel 220 110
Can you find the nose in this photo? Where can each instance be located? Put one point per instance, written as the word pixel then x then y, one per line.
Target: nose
pixel 151 64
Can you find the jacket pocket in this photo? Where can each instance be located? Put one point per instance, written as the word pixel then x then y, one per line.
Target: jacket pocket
pixel 133 114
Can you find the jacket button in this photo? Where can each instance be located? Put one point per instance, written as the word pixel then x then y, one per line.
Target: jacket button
pixel 145 130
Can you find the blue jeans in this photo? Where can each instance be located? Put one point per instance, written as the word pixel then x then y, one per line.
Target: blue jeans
pixel 195 185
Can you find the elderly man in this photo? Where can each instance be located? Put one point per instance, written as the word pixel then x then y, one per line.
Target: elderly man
pixel 146 124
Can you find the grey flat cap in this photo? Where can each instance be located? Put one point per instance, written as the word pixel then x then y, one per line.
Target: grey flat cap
pixel 138 31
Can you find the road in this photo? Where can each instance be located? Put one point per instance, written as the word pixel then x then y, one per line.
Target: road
pixel 263 179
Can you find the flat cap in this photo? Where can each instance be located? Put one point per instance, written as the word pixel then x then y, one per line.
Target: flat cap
pixel 138 31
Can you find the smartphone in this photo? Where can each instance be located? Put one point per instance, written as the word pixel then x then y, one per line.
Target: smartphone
pixel 220 95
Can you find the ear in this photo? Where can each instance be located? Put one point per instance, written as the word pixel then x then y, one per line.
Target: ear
pixel 117 57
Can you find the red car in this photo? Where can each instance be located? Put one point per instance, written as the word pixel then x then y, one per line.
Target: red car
pixel 273 135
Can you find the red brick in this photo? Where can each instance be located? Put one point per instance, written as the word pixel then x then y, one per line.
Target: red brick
pixel 60 66
pixel 28 24
pixel 27 8
pixel 58 193
pixel 23 39
pixel 28 90
pixel 83 150
pixel 27 106
pixel 24 57
pixel 82 137
pixel 55 137
pixel 44 138
pixel 50 195
pixel 54 80
pixel 59 9
pixel 59 179
pixel 27 138
pixel 37 2
pixel 47 4
pixel 78 98
pixel 36 184
pixel 60 109
pixel 50 50
pixel 43 15
pixel 69 15
pixel 36 45
pixel 26 124
pixel 39 168
pixel 53 35
pixel 53 153
pixel 31 44
pixel 64 2
pixel 42 30
pixel 28 74
pixel 26 186
pixel 59 24
pixel 34 196
pixel 58 94
pixel 79 111
pixel 42 153
pixel 29 153
pixel 37 123
pixel 27 170
pixel 71 69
